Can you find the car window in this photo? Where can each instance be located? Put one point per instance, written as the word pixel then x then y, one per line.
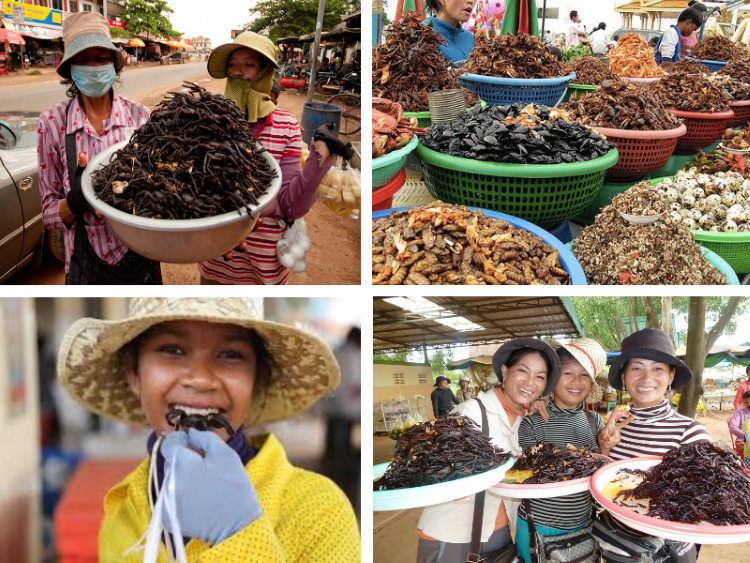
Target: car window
pixel 7 137
pixel 18 133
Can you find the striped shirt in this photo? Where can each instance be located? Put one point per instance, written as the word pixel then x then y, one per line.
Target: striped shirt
pixel 655 431
pixel 280 134
pixel 564 427
pixel 54 185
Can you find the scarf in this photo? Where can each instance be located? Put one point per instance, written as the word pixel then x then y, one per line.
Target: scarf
pixel 252 95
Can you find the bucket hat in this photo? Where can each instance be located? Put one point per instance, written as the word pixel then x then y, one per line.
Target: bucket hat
pixel 501 356
pixel 440 379
pixel 465 378
pixel 89 364
pixel 82 31
pixel 590 354
pixel 650 344
pixel 219 59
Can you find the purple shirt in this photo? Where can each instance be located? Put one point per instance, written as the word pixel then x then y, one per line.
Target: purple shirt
pixel 738 418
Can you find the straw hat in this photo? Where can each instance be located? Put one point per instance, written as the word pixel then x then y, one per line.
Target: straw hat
pixel 219 59
pixel 590 354
pixel 82 31
pixel 89 365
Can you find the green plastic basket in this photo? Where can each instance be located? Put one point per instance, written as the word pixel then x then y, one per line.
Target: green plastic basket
pixel 575 91
pixel 384 168
pixel 544 194
pixel 733 248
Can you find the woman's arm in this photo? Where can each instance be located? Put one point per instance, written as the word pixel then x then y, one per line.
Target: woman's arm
pixel 453 397
pixel 55 212
pixel 434 399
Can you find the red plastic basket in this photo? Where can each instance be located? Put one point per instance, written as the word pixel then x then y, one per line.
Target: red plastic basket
pixel 703 129
pixel 741 113
pixel 641 152
pixel 382 197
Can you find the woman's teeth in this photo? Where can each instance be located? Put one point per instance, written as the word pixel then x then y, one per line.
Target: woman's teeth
pixel 191 410
pixel 645 389
pixel 525 392
pixel 574 391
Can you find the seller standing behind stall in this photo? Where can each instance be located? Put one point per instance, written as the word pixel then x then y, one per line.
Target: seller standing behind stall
pixel 442 397
pixel 71 133
pixel 668 48
pixel 450 15
pixel 248 65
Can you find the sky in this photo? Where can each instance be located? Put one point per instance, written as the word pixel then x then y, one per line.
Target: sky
pixel 214 19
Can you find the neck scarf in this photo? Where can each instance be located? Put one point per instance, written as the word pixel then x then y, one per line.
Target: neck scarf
pixel 252 95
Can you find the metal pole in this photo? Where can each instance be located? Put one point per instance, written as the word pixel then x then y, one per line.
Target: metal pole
pixel 424 351
pixel 544 17
pixel 314 62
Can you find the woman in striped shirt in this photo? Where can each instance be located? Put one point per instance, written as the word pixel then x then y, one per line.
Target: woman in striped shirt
pixel 647 368
pixel 248 64
pixel 581 360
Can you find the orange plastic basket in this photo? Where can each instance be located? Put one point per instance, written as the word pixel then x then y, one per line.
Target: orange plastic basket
pixel 641 152
pixel 741 113
pixel 703 129
pixel 382 197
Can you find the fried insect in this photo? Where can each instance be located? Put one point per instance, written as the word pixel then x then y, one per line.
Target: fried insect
pixel 690 92
pixel 194 157
pixel 442 450
pixel 551 465
pixel 180 420
pixel 716 49
pixel 591 71
pixel 514 56
pixel 695 484
pixel 633 57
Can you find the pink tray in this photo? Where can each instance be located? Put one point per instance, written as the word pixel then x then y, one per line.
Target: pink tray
pixel 544 490
pixel 695 533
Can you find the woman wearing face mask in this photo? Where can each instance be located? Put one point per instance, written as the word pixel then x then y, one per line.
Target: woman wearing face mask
pixel 248 65
pixel 447 21
pixel 69 134
pixel 527 369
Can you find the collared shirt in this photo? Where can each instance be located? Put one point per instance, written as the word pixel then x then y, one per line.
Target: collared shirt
pixel 574 29
pixel 599 42
pixel 54 184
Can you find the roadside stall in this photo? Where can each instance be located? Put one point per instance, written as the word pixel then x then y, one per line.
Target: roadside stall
pixel 8 38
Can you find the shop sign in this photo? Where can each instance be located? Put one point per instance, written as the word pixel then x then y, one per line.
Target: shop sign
pixel 33 15
pixel 113 23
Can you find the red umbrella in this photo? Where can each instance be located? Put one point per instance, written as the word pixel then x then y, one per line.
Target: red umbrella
pixel 8 36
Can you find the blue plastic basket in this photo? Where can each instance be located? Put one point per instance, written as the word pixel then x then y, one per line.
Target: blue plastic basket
pixel 713 66
pixel 384 168
pixel 568 261
pixel 717 261
pixel 498 91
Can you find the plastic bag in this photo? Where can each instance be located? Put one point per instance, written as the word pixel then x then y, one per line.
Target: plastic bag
pixel 341 190
pixel 409 422
pixel 397 430
pixel 418 418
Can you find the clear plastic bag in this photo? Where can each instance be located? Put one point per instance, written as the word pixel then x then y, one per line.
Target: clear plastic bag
pixel 398 428
pixel 409 422
pixel 341 190
pixel 418 418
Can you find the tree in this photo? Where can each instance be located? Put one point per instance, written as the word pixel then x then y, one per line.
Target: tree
pixel 399 356
pixel 699 342
pixel 115 32
pixel 438 358
pixel 284 18
pixel 148 16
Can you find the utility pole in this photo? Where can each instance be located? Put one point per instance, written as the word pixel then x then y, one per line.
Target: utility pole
pixel 314 62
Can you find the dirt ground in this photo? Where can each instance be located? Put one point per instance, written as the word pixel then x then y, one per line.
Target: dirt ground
pixel 394 533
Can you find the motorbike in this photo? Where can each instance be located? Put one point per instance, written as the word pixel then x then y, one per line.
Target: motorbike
pixel 32 61
pixel 327 83
pixel 350 83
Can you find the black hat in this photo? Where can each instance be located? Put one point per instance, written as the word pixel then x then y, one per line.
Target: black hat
pixel 501 356
pixel 650 344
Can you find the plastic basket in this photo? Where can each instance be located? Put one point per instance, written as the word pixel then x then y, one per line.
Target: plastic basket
pixel 505 91
pixel 741 113
pixel 568 261
pixel 641 152
pixel 412 194
pixel 382 198
pixel 712 257
pixel 703 129
pixel 424 119
pixel 576 91
pixel 713 66
pixel 384 168
pixel 545 194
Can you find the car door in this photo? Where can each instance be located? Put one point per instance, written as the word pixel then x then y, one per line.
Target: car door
pixel 11 220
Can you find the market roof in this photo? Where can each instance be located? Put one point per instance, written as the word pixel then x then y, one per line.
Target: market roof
pixel 496 320
pixel 287 40
pixel 653 6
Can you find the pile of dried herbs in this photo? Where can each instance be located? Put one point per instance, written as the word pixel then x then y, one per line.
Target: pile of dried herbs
pixel 716 49
pixel 514 56
pixel 517 134
pixel 690 92
pixel 591 71
pixel 408 66
pixel 620 105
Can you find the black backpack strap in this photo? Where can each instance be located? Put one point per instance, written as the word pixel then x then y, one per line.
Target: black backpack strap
pixel 476 526
pixel 592 422
pixel 532 531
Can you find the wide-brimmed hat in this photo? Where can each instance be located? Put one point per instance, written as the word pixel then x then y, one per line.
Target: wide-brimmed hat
pixel 501 356
pixel 590 354
pixel 89 363
pixel 440 379
pixel 649 344
pixel 219 59
pixel 82 31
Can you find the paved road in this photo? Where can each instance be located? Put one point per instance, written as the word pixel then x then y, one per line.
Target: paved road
pixel 136 84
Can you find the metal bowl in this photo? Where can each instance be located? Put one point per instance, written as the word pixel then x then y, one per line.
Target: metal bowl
pixel 183 241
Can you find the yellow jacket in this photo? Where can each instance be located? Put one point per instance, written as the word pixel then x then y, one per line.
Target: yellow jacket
pixel 306 518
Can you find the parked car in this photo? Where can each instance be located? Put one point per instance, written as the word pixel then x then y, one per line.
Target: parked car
pixel 22 232
pixel 177 58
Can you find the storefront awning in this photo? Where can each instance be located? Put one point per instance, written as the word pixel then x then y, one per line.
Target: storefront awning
pixel 39 32
pixel 8 36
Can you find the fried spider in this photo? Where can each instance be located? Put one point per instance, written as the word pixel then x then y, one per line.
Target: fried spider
pixel 180 420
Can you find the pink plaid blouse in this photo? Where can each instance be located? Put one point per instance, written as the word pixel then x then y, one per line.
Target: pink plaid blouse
pixel 54 184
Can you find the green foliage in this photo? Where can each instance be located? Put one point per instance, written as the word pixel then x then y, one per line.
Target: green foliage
pixel 148 16
pixel 285 18
pixel 438 358
pixel 574 53
pixel 35 73
pixel 115 32
pixel 400 356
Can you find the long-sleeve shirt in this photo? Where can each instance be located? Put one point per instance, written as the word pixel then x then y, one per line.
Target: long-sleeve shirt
pixel 280 134
pixel 574 34
pixel 442 400
pixel 464 396
pixel 738 419
pixel 54 184
pixel 744 387
pixel 460 41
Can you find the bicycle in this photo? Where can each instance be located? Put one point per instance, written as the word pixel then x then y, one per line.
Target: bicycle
pixel 351 112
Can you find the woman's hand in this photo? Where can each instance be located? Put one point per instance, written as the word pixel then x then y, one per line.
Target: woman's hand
pixel 324 136
pixel 540 406
pixel 610 436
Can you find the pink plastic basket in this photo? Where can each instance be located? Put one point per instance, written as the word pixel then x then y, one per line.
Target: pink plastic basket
pixel 703 129
pixel 741 113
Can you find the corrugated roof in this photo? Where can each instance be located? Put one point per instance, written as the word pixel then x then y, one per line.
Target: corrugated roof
pixel 660 6
pixel 501 319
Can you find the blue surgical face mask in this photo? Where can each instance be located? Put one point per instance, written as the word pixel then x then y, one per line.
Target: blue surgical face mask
pixel 94 81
